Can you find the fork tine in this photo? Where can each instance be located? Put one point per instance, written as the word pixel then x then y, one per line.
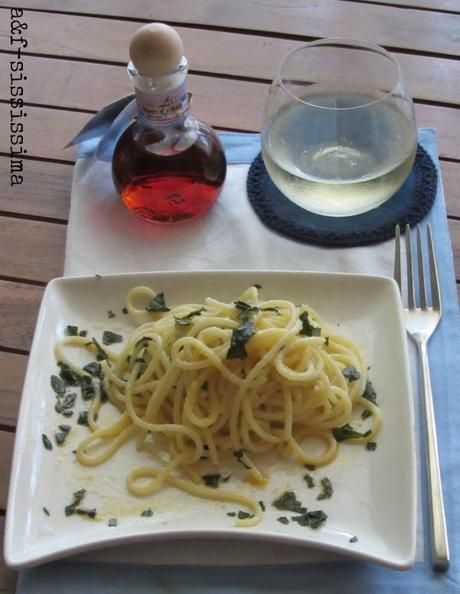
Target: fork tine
pixel 410 276
pixel 421 275
pixel 397 268
pixel 433 271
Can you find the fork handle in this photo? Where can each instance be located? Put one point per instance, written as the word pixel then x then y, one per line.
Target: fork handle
pixel 439 541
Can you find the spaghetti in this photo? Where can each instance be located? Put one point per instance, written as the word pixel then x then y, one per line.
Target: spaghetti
pixel 216 379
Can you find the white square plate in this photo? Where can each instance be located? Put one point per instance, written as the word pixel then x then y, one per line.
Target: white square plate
pixel 374 492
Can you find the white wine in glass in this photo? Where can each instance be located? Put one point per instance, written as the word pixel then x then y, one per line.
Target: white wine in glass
pixel 339 136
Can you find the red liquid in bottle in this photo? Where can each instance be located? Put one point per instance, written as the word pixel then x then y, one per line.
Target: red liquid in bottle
pixel 161 181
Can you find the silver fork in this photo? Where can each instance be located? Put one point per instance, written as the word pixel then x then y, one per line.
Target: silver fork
pixel 421 322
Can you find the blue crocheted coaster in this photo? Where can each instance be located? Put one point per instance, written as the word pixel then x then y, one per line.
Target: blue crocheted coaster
pixel 408 206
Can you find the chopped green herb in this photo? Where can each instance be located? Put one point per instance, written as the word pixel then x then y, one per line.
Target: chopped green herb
pixel 310 480
pixel 78 496
pixel 69 377
pixel 347 432
pixel 103 392
pixel 98 276
pixel 212 480
pixel 57 385
pixel 112 522
pixel 60 437
pixel 307 328
pixel 247 310
pixel 94 369
pixel 370 394
pixel 242 515
pixel 310 467
pixel 83 418
pixel 312 519
pixel 288 502
pixel 327 489
pixel 65 428
pixel 125 310
pixel 64 404
pixel 101 355
pixel 225 479
pixel 87 388
pixel 67 413
pixel 109 338
pixel 283 520
pixel 204 386
pixel 240 337
pixel 231 514
pixel 46 442
pixel 365 414
pixel 83 333
pixel 147 513
pixel 351 374
pixel 157 303
pixel 187 320
pixel 262 505
pixel 91 513
pixel 45 511
pixel 371 446
pixel 110 314
pixel 73 331
pixel 239 456
pixel 257 286
pixel 353 539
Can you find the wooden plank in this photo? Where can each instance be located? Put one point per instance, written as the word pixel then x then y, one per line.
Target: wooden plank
pixel 45 191
pixel 230 104
pixel 386 25
pixel 8 578
pixel 12 372
pixel 451 5
pixel 428 78
pixel 454 230
pixel 6 449
pixel 18 314
pixel 32 250
pixel 450 173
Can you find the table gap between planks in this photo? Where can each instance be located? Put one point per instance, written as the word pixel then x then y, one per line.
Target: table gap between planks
pixel 75 63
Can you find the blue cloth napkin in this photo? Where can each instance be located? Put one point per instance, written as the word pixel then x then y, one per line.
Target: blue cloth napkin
pixel 67 577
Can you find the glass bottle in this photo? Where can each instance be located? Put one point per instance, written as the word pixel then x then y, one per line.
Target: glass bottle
pixel 167 166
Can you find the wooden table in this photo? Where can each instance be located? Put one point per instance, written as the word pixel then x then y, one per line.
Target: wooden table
pixel 75 59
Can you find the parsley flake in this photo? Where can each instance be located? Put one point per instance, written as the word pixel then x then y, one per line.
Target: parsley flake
pixel 351 374
pixel 46 442
pixel 283 520
pixel 157 303
pixel 327 489
pixel 109 338
pixel 288 502
pixel 307 328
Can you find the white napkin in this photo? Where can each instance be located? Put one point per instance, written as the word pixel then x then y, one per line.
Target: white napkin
pixel 103 236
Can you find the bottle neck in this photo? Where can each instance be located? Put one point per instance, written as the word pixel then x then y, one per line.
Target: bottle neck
pixel 161 101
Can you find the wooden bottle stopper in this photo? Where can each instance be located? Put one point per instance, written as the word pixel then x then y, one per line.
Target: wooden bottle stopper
pixel 156 50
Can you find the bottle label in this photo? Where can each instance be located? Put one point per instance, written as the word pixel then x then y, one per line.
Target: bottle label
pixel 163 109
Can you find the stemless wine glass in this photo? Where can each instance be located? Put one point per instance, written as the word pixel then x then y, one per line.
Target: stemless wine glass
pixel 339 135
